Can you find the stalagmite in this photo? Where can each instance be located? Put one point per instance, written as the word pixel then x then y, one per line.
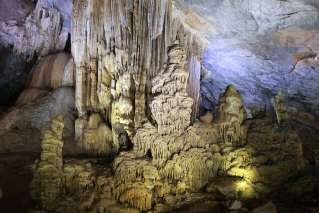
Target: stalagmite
pixel 280 107
pixel 172 107
pixel 46 186
pixel 231 117
pixel 116 43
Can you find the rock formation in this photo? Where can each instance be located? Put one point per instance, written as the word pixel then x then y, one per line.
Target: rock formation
pixel 97 136
pixel 280 107
pixel 52 72
pixel 115 58
pixel 231 117
pixel 20 127
pixel 46 185
pixel 141 143
pixel 45 23
pixel 171 106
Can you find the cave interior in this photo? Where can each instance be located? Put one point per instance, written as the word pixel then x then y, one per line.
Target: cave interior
pixel 159 106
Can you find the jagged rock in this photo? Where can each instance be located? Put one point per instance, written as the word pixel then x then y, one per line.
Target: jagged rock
pixel 45 23
pixel 231 117
pixel 46 186
pixel 169 156
pixel 267 208
pixel 172 107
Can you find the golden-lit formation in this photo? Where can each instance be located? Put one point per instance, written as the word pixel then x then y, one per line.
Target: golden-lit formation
pixel 128 106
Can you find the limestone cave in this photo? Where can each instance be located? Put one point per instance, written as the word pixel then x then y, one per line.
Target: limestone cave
pixel 127 106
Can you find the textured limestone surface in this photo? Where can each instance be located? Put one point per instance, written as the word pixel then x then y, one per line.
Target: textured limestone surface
pixel 46 185
pixel 176 163
pixel 137 71
pixel 35 33
pixel 165 171
pixel 117 55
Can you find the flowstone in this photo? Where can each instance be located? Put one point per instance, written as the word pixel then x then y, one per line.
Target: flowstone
pixel 94 136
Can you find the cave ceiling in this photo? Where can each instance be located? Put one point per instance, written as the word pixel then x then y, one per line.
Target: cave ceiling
pixel 260 46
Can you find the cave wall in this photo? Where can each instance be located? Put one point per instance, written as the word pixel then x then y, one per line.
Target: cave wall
pixel 261 47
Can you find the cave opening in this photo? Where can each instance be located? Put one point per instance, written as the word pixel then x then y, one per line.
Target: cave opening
pixel 67 47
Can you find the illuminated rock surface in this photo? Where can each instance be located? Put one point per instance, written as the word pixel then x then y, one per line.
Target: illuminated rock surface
pixel 46 185
pixel 167 106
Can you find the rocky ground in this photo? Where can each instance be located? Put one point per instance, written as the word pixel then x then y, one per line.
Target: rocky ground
pixel 16 175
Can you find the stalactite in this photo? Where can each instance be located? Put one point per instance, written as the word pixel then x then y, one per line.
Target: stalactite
pixel 115 38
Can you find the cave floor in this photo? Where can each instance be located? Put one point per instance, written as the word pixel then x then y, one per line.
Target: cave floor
pixel 16 175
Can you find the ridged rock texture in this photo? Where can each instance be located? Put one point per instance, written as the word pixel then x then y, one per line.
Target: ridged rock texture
pixel 231 117
pixel 117 48
pixel 97 136
pixel 166 170
pixel 46 185
pixel 39 34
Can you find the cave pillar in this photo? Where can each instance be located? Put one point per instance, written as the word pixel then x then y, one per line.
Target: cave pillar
pixel 118 49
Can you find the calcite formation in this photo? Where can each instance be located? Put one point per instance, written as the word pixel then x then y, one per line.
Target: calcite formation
pixel 46 185
pixel 171 106
pixel 52 72
pixel 118 47
pixel 280 107
pixel 172 151
pixel 96 136
pixel 231 117
pixel 166 170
